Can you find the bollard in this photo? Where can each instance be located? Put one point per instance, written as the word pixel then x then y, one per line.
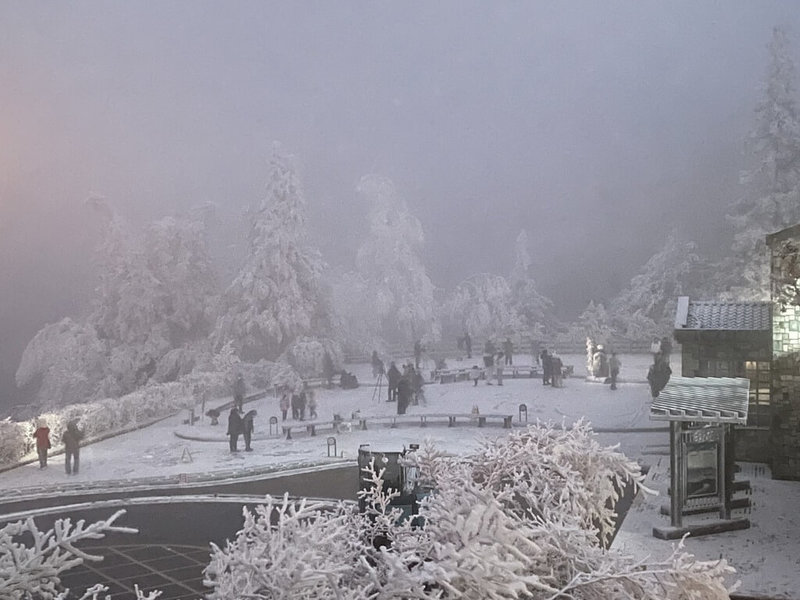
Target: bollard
pixel 523 410
pixel 273 422
pixel 332 444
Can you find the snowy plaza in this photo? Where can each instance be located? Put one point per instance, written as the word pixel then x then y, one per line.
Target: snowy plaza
pixel 765 556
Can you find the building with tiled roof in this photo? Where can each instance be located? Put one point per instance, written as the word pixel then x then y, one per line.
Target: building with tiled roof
pixel 731 339
pixel 722 316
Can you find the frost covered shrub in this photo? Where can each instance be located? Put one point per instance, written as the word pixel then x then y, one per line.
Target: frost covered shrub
pixel 33 572
pixel 15 440
pixel 520 518
pixel 307 355
pixel 289 550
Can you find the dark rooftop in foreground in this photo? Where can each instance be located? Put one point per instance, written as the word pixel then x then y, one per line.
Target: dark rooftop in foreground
pixel 722 316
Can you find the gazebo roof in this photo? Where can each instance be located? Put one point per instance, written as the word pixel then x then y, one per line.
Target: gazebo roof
pixel 722 316
pixel 703 399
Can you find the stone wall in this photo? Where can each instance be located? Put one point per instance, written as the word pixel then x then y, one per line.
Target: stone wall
pixel 785 426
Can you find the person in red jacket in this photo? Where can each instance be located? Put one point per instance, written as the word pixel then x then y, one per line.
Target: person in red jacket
pixel 42 436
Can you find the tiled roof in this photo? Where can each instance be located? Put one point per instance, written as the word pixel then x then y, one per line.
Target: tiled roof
pixel 703 399
pixel 723 316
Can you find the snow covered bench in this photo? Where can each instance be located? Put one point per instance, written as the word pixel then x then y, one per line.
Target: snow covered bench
pixel 452 375
pixel 423 419
pixel 515 371
pixel 310 427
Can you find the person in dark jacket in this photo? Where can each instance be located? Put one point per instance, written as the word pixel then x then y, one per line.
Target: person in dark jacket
pixel 42 436
pixel 403 394
pixel 247 429
pixel 392 377
pixel 72 447
pixel 546 366
pixel 234 428
pixel 658 376
pixel 508 351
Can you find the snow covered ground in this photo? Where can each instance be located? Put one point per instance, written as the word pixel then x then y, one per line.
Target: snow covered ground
pixel 766 555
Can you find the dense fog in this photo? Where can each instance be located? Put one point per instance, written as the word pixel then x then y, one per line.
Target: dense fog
pixel 598 127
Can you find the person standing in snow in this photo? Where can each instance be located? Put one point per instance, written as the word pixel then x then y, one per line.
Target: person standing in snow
pixel 247 429
pixel 614 365
pixel 392 377
pixel 312 403
pixel 546 366
pixel 377 364
pixel 239 391
pixel 508 350
pixel 475 374
pixel 42 436
pixel 403 394
pixel 556 371
pixel 498 368
pixel 284 404
pixel 72 447
pixel 234 429
pixel 417 353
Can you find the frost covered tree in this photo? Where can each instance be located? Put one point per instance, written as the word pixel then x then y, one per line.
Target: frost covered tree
pixel 276 296
pixel 524 516
pixel 399 288
pixel 594 322
pixel 534 309
pixel 155 295
pixel 483 304
pixel 356 314
pixel 771 200
pixel 646 307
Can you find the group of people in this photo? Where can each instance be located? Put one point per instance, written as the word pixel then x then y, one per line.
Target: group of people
pixel 299 401
pixel 240 424
pixel 404 387
pixel 71 438
pixel 552 368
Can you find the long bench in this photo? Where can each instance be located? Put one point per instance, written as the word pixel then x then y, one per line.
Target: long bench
pixel 392 421
pixel 423 419
pixel 310 427
pixel 463 374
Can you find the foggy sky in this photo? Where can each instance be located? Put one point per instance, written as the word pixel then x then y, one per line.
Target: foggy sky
pixel 596 126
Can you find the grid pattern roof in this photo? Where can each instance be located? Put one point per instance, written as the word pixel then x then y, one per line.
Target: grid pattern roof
pixel 703 399
pixel 726 316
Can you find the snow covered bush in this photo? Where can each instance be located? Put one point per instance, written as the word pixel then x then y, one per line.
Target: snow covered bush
pixel 32 572
pixel 292 551
pixel 307 355
pixel 522 517
pixel 67 359
pixel 15 440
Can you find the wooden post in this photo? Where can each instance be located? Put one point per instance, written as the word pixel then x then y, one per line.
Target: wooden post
pixel 722 471
pixel 676 460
